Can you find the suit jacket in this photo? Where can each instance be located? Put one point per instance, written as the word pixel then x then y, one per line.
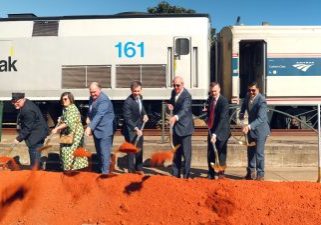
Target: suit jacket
pixel 221 125
pixel 132 117
pixel 183 109
pixel 33 127
pixel 101 115
pixel 258 119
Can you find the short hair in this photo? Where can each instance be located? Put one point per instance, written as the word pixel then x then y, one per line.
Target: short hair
pixel 69 95
pixel 213 84
pixel 95 84
pixel 135 84
pixel 253 83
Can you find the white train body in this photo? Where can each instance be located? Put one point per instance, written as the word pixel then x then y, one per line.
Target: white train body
pixel 284 60
pixel 45 56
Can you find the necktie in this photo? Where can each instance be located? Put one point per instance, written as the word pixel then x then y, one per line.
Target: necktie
pixel 139 104
pixel 210 121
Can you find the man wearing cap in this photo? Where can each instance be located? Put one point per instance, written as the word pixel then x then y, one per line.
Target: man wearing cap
pixel 33 128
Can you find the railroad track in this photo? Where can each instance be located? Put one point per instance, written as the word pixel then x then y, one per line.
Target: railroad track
pixel 202 131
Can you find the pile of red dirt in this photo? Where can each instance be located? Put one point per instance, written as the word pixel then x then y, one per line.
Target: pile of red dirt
pixel 38 197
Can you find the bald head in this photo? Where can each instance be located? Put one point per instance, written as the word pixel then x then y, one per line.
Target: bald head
pixel 94 90
pixel 178 84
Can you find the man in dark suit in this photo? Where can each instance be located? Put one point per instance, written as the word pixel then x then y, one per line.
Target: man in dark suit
pixel 219 129
pixel 257 130
pixel 134 115
pixel 183 127
pixel 100 123
pixel 32 127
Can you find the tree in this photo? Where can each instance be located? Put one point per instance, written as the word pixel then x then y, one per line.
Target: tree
pixel 165 7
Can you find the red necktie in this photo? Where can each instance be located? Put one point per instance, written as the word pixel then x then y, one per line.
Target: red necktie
pixel 211 117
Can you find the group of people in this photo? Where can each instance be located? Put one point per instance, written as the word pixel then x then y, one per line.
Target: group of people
pixel 100 123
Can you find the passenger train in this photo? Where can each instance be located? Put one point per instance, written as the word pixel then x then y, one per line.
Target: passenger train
pixel 45 56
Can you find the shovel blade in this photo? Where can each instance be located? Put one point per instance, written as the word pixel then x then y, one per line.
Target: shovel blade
pixel 217 168
pixel 128 148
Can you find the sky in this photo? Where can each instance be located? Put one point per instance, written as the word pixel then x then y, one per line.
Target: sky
pixel 222 12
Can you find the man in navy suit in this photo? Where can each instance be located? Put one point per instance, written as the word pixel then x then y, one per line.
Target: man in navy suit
pixel 219 129
pixel 33 128
pixel 101 124
pixel 183 126
pixel 134 115
pixel 257 130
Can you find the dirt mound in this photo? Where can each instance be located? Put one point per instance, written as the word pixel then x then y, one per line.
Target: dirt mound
pixel 37 198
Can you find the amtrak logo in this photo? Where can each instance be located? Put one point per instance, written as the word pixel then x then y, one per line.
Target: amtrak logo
pixel 303 66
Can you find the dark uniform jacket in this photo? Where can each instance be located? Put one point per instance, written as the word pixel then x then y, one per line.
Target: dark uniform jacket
pixel 33 127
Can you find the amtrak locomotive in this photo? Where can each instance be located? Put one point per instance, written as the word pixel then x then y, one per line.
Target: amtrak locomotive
pixel 45 56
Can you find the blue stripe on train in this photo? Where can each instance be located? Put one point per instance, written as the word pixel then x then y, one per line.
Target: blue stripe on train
pixel 294 67
pixel 288 67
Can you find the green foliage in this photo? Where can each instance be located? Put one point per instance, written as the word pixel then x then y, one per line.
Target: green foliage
pixel 165 7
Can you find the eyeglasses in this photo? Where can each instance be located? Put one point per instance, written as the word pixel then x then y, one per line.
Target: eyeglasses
pixel 176 85
pixel 251 90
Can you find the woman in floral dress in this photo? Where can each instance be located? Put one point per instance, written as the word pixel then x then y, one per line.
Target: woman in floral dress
pixel 71 122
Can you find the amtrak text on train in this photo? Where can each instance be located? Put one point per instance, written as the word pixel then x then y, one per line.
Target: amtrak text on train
pixel 8 65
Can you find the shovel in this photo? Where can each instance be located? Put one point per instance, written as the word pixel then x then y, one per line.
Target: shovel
pixel 5 160
pixel 216 165
pixel 128 147
pixel 158 158
pixel 82 152
pixel 46 145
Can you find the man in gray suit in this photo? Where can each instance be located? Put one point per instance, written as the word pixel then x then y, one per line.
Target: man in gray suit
pixel 257 131
pixel 100 122
pixel 183 126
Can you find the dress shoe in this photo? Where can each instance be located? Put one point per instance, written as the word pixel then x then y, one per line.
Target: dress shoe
pixel 250 176
pixel 221 174
pixel 260 178
pixel 210 176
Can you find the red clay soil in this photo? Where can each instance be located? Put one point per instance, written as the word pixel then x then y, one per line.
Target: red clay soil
pixel 38 198
pixel 127 147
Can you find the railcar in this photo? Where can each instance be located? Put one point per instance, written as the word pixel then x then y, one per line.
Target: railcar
pixel 45 56
pixel 284 60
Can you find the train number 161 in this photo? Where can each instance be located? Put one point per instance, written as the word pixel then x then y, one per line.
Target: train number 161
pixel 130 49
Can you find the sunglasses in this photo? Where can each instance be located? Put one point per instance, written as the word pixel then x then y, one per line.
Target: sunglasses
pixel 65 99
pixel 251 90
pixel 176 85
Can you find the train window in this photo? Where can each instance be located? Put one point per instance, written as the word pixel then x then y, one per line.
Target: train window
pixel 82 76
pixel 182 46
pixel 152 76
pixel 45 28
pixel 100 74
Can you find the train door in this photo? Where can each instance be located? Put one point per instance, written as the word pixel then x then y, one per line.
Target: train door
pixel 182 59
pixel 252 66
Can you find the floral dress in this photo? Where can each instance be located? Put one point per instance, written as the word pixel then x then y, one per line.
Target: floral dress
pixel 71 117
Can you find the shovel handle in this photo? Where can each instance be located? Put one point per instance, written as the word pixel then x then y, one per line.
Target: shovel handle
pixel 138 137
